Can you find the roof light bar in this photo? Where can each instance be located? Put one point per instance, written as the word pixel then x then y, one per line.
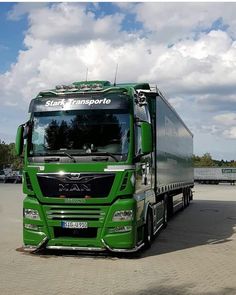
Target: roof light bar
pixel 66 87
pixel 82 87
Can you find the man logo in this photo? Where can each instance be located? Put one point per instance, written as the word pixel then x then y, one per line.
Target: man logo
pixel 73 187
pixel 74 176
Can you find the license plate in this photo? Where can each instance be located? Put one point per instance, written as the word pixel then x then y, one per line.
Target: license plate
pixel 74 224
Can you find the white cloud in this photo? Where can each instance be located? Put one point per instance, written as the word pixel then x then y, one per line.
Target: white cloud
pixel 21 9
pixel 76 39
pixel 170 22
pixel 189 67
pixel 198 75
pixel 226 119
pixel 71 23
pixel 176 102
pixel 230 133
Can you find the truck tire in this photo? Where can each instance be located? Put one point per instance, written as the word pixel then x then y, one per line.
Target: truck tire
pixel 165 213
pixel 170 210
pixel 148 229
pixel 187 197
pixel 191 195
pixel 184 199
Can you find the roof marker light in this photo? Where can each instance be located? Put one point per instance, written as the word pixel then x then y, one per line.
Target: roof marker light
pixel 97 86
pixel 85 87
pixel 59 87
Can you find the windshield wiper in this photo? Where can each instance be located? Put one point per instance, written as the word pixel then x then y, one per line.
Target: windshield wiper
pixel 56 154
pixel 68 155
pixel 97 154
pixel 71 155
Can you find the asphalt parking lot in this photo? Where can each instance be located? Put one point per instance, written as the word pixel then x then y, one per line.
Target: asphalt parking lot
pixel 195 254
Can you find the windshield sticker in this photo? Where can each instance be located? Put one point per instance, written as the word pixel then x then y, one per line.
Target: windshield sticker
pixel 78 103
pixel 71 101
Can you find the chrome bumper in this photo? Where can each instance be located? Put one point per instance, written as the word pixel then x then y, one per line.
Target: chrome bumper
pixel 43 245
pixel 35 249
pixel 135 249
pixel 95 249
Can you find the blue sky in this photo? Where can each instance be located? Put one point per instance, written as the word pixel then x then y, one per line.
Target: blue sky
pixel 188 49
pixel 11 37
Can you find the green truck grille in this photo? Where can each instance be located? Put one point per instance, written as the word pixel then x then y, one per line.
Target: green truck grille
pixel 81 214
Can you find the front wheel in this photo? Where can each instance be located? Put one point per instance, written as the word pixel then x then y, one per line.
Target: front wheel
pixel 148 229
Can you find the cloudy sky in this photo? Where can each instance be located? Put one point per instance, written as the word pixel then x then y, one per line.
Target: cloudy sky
pixel 187 49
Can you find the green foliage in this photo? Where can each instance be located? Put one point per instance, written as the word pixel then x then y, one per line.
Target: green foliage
pixel 207 161
pixel 8 157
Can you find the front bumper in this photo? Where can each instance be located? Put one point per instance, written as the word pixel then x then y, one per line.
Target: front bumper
pixel 45 238
pixel 43 245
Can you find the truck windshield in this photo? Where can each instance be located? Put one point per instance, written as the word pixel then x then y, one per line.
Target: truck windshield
pixel 80 133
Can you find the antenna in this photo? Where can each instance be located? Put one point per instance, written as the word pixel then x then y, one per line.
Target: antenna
pixel 115 74
pixel 86 77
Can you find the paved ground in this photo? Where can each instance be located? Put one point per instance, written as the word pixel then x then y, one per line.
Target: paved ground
pixel 196 254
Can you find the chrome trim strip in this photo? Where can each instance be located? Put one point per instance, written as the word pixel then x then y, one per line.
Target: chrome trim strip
pixel 135 249
pixel 29 248
pixel 65 173
pixel 35 249
pixel 40 168
pixel 116 168
pixel 75 248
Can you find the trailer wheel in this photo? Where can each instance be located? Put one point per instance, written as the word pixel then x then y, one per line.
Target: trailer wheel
pixel 165 213
pixel 184 204
pixel 191 194
pixel 187 197
pixel 148 229
pixel 184 200
pixel 170 210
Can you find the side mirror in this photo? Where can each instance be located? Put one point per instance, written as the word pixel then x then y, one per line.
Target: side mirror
pixel 146 133
pixel 19 140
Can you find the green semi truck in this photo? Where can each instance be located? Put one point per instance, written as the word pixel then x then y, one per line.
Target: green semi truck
pixel 105 167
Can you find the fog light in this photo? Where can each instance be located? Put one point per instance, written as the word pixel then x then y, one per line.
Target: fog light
pixel 120 229
pixel 31 226
pixel 31 214
pixel 124 215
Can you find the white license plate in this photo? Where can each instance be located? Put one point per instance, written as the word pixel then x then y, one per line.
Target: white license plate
pixel 74 224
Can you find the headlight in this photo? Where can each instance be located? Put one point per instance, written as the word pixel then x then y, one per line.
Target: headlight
pixel 124 215
pixel 31 214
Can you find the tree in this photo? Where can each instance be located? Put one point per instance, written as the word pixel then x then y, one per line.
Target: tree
pixel 4 154
pixel 206 161
pixel 8 156
pixel 16 162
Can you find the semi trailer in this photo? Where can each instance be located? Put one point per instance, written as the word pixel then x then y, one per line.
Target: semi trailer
pixel 105 167
pixel 215 175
